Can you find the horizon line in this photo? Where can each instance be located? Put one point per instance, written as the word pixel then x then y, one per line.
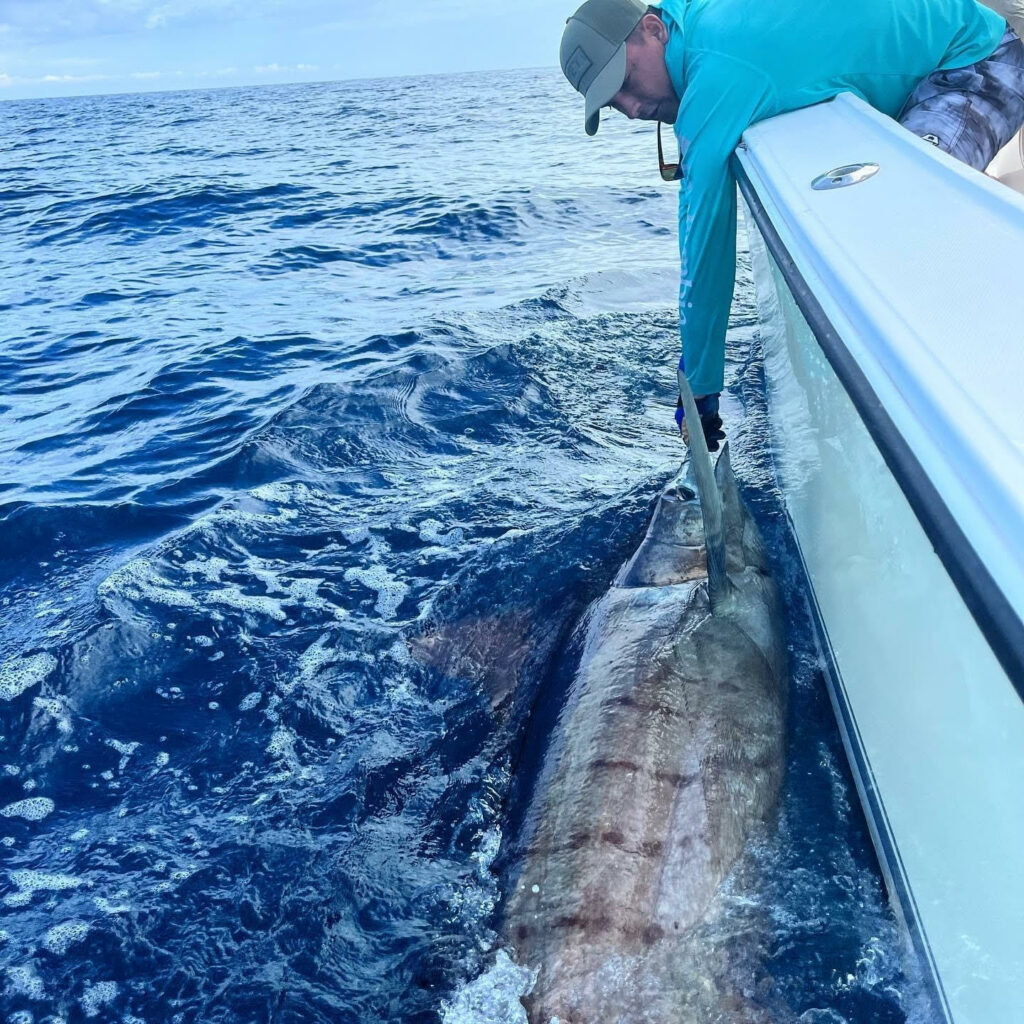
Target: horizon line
pixel 261 85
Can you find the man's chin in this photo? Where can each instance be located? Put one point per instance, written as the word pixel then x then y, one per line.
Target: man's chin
pixel 668 113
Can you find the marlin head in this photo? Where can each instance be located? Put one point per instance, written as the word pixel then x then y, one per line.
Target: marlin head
pixel 675 549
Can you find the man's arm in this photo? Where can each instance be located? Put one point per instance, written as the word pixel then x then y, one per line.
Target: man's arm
pixel 723 96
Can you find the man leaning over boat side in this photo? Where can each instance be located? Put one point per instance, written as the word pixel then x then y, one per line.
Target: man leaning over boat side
pixel 951 71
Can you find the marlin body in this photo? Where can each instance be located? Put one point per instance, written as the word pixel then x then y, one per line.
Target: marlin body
pixel 669 753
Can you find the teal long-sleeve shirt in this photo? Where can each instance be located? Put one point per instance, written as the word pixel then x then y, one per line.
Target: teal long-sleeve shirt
pixel 735 62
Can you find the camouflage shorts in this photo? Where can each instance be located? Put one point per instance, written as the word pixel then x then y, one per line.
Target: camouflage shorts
pixel 971 112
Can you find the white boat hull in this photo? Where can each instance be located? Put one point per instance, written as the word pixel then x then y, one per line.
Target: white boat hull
pixel 932 722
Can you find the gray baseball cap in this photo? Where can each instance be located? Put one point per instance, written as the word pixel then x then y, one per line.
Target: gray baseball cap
pixel 594 51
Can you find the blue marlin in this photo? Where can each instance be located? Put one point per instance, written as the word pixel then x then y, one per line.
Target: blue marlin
pixel 668 754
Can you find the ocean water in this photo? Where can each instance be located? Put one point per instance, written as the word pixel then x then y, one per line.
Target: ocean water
pixel 292 377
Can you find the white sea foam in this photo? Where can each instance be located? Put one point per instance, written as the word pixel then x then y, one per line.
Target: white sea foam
pixel 61 937
pixel 57 709
pixel 33 809
pixel 282 493
pixel 97 996
pixel 493 998
pixel 138 580
pixel 314 657
pixel 208 568
pixel 305 591
pixel 267 573
pixel 23 981
pixel 110 907
pixel 282 745
pixel 125 750
pixel 20 674
pixel 356 534
pixel 29 883
pixel 234 598
pixel 213 524
pixel 390 592
pixel 432 532
pixel 27 879
pixel 250 700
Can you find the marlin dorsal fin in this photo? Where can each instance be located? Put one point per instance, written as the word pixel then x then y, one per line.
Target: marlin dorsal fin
pixel 710 499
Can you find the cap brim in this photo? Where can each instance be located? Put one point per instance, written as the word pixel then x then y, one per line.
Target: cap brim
pixel 603 89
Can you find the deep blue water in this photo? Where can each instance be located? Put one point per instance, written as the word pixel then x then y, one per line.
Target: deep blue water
pixel 291 376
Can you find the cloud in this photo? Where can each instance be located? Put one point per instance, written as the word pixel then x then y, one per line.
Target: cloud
pixel 8 81
pixel 11 81
pixel 68 19
pixel 279 69
pixel 72 78
pixel 416 12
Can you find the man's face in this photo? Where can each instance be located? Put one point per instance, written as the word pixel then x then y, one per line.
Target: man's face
pixel 647 91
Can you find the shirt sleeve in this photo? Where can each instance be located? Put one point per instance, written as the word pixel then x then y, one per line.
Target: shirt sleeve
pixel 722 98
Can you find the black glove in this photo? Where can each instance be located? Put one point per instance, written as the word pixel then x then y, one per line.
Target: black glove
pixel 707 407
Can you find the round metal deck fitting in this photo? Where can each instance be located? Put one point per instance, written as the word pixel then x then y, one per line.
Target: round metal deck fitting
pixel 848 174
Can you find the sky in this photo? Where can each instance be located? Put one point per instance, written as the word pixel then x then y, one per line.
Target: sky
pixel 78 47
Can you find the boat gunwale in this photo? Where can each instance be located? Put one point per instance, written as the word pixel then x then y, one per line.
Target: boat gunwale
pixel 999 623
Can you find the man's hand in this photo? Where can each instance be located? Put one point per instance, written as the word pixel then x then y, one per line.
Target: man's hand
pixel 707 407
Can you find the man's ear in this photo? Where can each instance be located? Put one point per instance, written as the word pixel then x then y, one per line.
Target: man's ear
pixel 653 26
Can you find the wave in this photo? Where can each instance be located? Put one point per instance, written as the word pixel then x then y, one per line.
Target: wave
pixel 151 211
pixel 334 209
pixel 29 529
pixel 302 257
pixel 103 298
pixel 470 221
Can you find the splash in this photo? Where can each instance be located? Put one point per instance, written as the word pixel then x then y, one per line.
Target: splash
pixel 494 997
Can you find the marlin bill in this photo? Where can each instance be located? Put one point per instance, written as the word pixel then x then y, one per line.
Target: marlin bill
pixel 669 753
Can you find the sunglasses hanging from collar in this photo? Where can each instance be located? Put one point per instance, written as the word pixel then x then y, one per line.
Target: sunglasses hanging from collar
pixel 669 172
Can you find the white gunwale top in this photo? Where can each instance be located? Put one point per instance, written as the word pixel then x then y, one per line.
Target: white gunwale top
pixel 921 271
